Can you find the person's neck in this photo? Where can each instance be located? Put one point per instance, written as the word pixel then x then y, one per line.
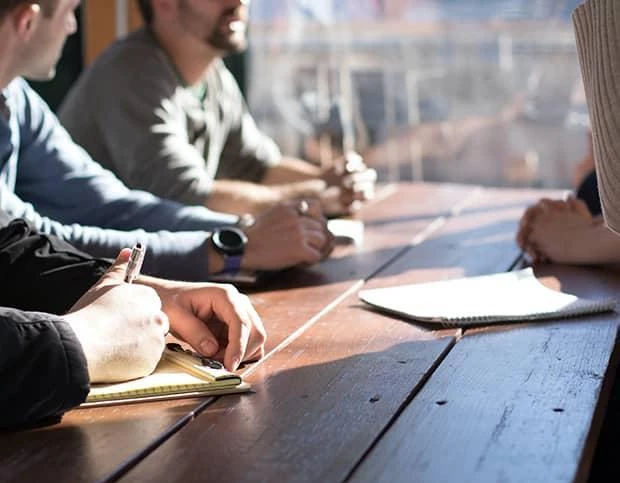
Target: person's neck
pixel 7 67
pixel 190 57
pixel 5 79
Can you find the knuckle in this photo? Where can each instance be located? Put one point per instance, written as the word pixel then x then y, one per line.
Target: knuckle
pixel 225 289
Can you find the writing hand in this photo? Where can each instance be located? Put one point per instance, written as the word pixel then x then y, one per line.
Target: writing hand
pixel 120 326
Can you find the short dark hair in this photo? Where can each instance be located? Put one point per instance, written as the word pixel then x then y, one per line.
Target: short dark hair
pixel 48 7
pixel 146 10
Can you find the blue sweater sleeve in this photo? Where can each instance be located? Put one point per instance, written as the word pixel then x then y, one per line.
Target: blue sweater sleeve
pixel 61 180
pixel 71 196
pixel 179 255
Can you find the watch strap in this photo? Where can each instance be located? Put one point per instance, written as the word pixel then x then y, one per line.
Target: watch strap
pixel 232 264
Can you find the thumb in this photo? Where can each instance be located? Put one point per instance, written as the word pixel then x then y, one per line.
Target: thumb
pixel 116 273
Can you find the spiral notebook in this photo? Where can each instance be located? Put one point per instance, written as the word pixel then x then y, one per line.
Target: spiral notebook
pixel 179 374
pixel 503 297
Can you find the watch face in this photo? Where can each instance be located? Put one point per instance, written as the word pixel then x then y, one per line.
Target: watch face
pixel 230 241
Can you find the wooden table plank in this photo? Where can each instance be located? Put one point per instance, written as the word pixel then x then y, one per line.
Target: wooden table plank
pixel 512 403
pixel 319 404
pixel 476 240
pixel 324 399
pixel 89 444
pixel 289 301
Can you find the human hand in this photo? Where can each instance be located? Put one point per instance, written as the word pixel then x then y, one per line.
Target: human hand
pixel 350 182
pixel 215 319
pixel 285 236
pixel 557 230
pixel 120 326
pixel 530 215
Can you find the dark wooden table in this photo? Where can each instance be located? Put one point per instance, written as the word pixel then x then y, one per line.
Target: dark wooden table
pixel 346 393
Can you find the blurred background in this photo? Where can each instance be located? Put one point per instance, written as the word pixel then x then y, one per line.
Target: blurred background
pixel 473 91
pixel 469 91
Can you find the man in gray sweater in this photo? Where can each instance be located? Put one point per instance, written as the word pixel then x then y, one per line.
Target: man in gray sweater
pixel 51 182
pixel 161 110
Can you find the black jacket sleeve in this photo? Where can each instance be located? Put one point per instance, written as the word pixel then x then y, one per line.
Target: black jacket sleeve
pixel 43 370
pixel 40 272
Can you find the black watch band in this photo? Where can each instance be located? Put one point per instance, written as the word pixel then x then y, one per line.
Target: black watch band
pixel 230 242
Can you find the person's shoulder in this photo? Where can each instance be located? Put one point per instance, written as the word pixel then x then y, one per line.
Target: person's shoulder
pixel 19 94
pixel 132 66
pixel 17 86
pixel 138 52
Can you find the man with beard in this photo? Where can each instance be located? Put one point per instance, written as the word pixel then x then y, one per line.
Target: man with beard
pixel 51 182
pixel 160 109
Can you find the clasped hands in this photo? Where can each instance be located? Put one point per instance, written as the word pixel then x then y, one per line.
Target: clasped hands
pixel 349 182
pixel 556 230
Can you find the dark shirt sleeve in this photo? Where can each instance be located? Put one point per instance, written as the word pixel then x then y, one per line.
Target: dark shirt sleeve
pixel 43 370
pixel 40 272
pixel 588 192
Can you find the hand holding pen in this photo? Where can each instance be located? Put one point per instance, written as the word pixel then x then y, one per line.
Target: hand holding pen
pixel 120 326
pixel 135 263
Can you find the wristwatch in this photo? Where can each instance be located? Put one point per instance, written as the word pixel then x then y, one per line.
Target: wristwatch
pixel 230 242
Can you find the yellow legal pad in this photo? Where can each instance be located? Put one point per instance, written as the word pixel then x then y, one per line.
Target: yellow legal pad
pixel 178 375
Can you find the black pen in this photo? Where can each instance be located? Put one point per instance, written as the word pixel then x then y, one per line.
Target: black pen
pixel 135 263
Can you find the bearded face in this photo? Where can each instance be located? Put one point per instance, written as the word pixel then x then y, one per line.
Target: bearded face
pixel 216 22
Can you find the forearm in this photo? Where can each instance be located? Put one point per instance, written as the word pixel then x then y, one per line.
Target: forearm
pixel 179 254
pixel 601 247
pixel 116 207
pixel 239 197
pixel 290 170
pixel 43 368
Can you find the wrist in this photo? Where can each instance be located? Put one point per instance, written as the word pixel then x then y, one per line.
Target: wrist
pixel 229 244
pixel 79 324
pixel 216 259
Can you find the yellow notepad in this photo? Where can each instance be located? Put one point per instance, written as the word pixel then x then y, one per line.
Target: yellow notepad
pixel 178 375
pixel 501 297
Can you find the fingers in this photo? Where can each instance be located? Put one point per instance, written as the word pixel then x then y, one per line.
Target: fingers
pixel 291 234
pixel 255 346
pixel 353 162
pixel 163 322
pixel 189 327
pixel 328 247
pixel 238 337
pixel 317 239
pixel 314 210
pixel 116 273
pixel 360 178
pixel 525 225
pixel 218 322
pixel 545 206
pixel 358 187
